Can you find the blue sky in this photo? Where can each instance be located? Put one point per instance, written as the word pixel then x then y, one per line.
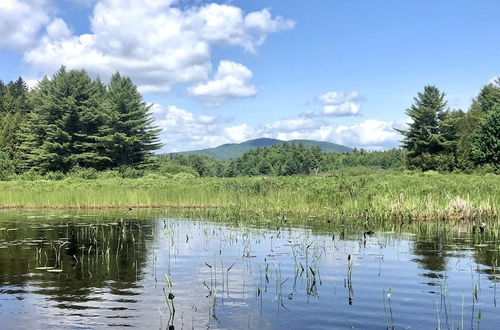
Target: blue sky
pixel 227 71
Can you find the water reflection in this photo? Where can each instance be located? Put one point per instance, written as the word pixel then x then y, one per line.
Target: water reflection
pixel 150 271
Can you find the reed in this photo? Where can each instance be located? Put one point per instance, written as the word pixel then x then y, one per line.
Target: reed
pixel 381 195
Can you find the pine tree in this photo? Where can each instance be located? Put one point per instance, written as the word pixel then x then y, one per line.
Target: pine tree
pixel 425 134
pixel 486 140
pixel 14 108
pixel 63 129
pixel 15 97
pixel 130 136
pixel 487 99
pixel 3 91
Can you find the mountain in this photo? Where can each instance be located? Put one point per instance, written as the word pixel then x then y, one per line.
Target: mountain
pixel 232 150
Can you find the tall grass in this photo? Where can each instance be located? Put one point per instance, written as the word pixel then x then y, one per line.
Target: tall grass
pixel 367 195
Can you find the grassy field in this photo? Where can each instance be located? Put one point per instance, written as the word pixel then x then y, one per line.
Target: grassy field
pixel 367 195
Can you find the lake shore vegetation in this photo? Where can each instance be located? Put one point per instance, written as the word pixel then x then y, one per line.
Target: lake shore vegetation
pixel 354 193
pixel 75 142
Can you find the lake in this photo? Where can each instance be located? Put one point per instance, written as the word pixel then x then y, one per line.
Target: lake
pixel 86 270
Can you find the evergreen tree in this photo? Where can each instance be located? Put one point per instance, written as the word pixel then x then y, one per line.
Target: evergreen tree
pixel 487 99
pixel 425 135
pixel 63 130
pixel 15 97
pixel 130 135
pixel 3 91
pixel 486 140
pixel 14 107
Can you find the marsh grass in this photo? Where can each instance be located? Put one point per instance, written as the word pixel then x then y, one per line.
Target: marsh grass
pixel 368 196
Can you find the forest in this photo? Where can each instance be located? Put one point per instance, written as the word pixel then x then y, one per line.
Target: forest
pixel 72 124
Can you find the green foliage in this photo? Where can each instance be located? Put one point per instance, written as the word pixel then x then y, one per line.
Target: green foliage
pixel 172 167
pixel 445 140
pixel 85 173
pixel 63 129
pixel 389 159
pixel 486 140
pixel 14 107
pixel 234 150
pixel 277 160
pixel 286 159
pixel 130 137
pixel 79 122
pixel 29 176
pixel 344 195
pixel 55 176
pixel 6 166
pixel 128 172
pixel 74 124
pixel 485 102
pixel 431 131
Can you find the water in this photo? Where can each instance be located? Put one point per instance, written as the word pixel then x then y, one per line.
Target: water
pixel 98 271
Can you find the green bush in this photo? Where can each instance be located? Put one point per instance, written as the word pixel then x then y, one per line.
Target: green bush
pixel 54 176
pixel 127 172
pixel 29 176
pixel 175 168
pixel 86 173
pixel 154 176
pixel 109 174
pixel 182 176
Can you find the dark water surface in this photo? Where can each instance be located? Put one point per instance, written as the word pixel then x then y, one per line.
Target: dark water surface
pixel 98 271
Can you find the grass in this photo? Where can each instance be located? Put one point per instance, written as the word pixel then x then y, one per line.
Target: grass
pixel 367 195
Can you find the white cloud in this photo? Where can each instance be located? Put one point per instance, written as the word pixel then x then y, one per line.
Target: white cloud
pixel 371 134
pixel 340 104
pixel 228 24
pixel 155 43
pixel 291 125
pixel 184 130
pixel 231 80
pixel 239 133
pixel 31 82
pixel 21 21
pixel 57 30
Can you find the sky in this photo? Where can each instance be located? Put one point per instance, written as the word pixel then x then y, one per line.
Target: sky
pixel 221 72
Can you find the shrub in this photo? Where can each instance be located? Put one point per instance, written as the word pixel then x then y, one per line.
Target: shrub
pixel 54 176
pixel 183 176
pixel 154 176
pixel 175 168
pixel 109 174
pixel 127 172
pixel 29 176
pixel 86 173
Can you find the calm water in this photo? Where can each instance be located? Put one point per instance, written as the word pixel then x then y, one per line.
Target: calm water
pixel 95 271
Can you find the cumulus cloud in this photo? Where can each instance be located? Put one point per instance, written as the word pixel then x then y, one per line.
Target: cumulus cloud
pixel 184 130
pixel 154 42
pixel 239 133
pixel 231 80
pixel 21 22
pixel 340 104
pixel 57 30
pixel 372 134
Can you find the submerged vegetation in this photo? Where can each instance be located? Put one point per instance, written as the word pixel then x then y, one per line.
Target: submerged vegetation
pixel 145 269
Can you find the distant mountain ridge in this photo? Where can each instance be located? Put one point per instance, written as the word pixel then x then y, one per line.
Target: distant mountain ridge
pixel 232 150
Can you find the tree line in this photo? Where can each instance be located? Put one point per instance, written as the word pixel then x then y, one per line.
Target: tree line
pixel 70 122
pixel 442 139
pixel 73 121
pixel 278 160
